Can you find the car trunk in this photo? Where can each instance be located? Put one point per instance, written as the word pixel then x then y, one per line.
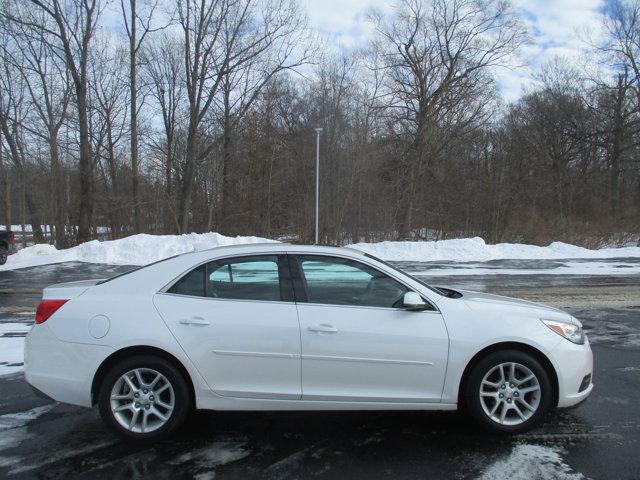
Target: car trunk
pixel 68 290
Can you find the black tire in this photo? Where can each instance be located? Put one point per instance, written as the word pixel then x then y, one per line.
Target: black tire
pixel 182 398
pixel 484 366
pixel 3 255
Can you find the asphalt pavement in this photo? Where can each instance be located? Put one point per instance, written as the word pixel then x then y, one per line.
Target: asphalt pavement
pixel 600 439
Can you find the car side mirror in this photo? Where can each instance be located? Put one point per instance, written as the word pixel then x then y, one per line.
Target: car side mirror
pixel 413 301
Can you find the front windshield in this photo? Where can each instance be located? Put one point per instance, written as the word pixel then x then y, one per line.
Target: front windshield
pixel 388 265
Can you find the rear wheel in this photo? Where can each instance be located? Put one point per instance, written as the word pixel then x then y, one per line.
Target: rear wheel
pixel 508 392
pixel 144 398
pixel 3 255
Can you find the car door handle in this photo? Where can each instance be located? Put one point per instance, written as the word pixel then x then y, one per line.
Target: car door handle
pixel 324 328
pixel 194 321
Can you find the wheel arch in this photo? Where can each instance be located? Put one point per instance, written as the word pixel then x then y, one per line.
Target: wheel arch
pixel 523 347
pixel 127 352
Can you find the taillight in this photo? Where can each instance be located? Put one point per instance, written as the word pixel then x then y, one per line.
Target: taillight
pixel 46 308
pixel 12 237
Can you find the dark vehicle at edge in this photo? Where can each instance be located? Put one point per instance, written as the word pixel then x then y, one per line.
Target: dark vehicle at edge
pixel 7 245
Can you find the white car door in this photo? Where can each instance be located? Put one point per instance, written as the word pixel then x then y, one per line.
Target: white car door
pixel 358 344
pixel 237 321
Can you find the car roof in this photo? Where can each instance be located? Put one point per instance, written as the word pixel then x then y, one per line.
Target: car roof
pixel 282 247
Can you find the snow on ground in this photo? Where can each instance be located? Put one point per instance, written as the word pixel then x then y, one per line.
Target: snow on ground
pixel 20 419
pixel 529 462
pixel 143 249
pixel 12 347
pixel 476 250
pixel 559 268
pixel 134 250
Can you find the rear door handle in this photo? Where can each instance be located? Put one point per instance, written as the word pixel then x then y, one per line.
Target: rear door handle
pixel 194 321
pixel 324 328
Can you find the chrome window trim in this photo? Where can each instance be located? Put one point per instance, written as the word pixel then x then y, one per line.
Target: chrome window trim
pixel 164 289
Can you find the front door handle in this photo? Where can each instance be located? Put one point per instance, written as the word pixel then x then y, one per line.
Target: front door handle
pixel 194 321
pixel 323 328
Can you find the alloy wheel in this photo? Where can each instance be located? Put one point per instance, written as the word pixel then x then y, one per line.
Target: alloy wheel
pixel 510 393
pixel 142 400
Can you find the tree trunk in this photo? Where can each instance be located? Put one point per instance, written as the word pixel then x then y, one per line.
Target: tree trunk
pixel 225 192
pixel 85 208
pixel 617 148
pixel 170 221
pixel 6 187
pixel 57 174
pixel 186 190
pixel 135 179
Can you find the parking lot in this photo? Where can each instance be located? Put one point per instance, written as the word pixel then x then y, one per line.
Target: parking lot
pixel 600 439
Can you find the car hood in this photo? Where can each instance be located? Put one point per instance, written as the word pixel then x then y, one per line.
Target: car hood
pixel 483 301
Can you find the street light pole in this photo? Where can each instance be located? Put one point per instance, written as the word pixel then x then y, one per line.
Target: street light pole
pixel 318 130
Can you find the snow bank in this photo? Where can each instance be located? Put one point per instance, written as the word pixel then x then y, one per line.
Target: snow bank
pixel 476 250
pixel 143 249
pixel 134 250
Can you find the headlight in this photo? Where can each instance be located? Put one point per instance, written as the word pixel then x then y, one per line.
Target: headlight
pixel 570 331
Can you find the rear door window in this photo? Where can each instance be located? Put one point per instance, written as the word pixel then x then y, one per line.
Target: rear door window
pixel 245 278
pixel 263 278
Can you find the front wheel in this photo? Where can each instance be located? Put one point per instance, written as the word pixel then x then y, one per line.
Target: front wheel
pixel 144 398
pixel 3 255
pixel 508 392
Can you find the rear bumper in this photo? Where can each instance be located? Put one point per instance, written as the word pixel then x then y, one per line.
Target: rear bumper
pixel 573 364
pixel 61 370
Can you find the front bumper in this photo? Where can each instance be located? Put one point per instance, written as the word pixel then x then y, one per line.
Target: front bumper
pixel 573 364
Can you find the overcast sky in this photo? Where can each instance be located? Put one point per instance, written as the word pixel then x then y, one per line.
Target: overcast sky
pixel 553 25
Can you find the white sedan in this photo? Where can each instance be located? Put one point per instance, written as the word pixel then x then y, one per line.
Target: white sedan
pixel 288 327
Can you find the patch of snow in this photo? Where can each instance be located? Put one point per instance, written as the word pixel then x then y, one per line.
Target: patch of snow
pixel 531 462
pixel 49 456
pixel 612 333
pixel 134 250
pixel 12 348
pixel 13 430
pixel 204 460
pixel 20 419
pixel 628 369
pixel 476 250
pixel 568 268
pixel 289 462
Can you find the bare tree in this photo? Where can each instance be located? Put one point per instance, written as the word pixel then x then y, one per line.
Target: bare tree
pixel 138 20
pixel 12 120
pixel 221 37
pixel 436 54
pixel 109 88
pixel 164 73
pixel 69 35
pixel 49 88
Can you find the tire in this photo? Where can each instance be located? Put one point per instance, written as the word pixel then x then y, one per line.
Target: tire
pixel 525 404
pixel 3 255
pixel 153 396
